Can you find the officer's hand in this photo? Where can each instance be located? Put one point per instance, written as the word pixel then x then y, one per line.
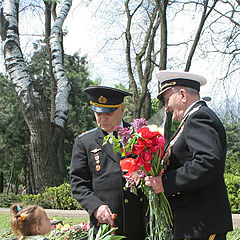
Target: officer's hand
pixel 103 214
pixel 155 183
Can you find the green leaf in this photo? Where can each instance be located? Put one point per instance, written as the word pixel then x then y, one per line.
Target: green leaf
pixel 107 234
pixel 106 139
pixel 113 237
pixel 91 234
pixel 102 230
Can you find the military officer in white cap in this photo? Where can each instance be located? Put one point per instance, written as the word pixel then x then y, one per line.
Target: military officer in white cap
pixel 96 178
pixel 193 176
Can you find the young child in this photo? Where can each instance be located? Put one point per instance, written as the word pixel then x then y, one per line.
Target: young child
pixel 30 222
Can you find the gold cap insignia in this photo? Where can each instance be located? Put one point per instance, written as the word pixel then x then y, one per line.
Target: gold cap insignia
pixel 102 99
pixel 168 84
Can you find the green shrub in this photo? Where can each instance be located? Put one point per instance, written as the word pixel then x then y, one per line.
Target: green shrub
pixel 233 163
pixel 53 198
pixel 6 200
pixel 233 187
pixel 60 198
pixel 32 199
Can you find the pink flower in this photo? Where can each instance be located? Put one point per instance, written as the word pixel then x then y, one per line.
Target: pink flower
pixel 138 123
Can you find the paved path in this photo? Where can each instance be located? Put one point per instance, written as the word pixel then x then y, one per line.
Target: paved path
pixel 58 213
pixel 82 213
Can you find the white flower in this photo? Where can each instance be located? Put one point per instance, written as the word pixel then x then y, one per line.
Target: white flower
pixel 155 128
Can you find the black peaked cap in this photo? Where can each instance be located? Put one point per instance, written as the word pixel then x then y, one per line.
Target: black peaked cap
pixel 105 99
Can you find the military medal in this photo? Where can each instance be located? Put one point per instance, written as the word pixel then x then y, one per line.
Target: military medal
pixel 97 158
pixel 95 150
pixel 98 168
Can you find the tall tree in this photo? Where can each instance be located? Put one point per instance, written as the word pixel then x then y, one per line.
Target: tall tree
pixel 45 133
pixel 143 53
pixel 16 135
pixel 162 8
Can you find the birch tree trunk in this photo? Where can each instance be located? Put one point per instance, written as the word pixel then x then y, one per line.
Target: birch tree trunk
pixel 45 134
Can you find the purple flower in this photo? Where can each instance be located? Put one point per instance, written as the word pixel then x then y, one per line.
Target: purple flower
pixel 124 133
pixel 139 123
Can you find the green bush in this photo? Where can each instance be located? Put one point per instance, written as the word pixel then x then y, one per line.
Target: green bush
pixel 233 187
pixel 59 198
pixel 6 200
pixel 233 163
pixel 53 198
pixel 32 199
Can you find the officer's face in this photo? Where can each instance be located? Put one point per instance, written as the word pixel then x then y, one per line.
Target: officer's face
pixel 107 121
pixel 174 101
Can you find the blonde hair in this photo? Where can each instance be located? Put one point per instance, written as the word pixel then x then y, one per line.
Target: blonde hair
pixel 23 219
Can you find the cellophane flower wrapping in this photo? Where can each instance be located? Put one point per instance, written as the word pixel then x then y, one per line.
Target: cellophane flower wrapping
pixel 142 148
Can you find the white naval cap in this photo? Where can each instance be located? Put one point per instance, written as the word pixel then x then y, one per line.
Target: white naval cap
pixel 169 79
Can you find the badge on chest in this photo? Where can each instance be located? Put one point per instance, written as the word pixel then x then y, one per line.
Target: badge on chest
pixel 97 158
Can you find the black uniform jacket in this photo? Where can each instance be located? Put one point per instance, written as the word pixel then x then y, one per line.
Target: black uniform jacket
pixel 193 180
pixel 96 179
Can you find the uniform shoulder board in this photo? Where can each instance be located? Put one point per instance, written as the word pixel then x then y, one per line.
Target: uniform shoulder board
pixel 86 132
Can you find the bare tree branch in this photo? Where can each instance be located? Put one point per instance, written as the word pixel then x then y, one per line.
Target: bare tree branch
pixel 128 55
pixel 205 14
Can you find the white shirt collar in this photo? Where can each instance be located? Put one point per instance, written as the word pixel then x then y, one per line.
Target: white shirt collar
pixel 188 109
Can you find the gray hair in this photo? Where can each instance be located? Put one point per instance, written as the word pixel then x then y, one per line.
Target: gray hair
pixel 189 90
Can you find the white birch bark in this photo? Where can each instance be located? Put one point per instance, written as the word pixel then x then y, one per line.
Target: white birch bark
pixel 14 61
pixel 45 137
pixel 63 85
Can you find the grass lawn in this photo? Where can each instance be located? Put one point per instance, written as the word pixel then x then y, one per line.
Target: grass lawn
pixel 4 222
pixel 5 225
pixel 6 218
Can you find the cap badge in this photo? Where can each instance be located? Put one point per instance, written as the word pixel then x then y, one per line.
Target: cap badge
pixel 102 99
pixel 167 85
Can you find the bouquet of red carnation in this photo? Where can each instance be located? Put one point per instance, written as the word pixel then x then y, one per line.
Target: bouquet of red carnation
pixel 142 148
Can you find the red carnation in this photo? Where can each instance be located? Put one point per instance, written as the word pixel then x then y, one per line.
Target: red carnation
pixel 129 165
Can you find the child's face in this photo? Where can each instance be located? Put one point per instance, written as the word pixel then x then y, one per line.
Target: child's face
pixel 44 225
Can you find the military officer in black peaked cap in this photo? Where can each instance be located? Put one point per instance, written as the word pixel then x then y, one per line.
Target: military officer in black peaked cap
pixel 95 172
pixel 194 161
